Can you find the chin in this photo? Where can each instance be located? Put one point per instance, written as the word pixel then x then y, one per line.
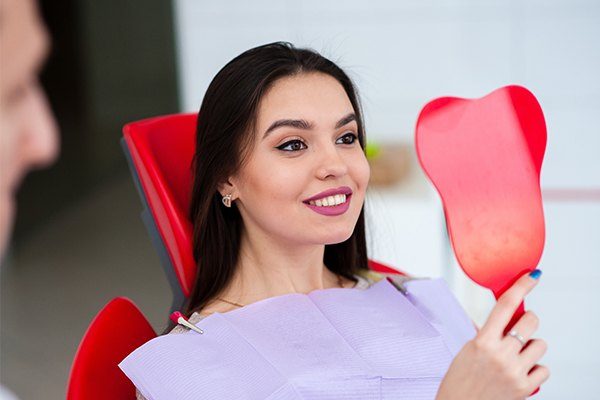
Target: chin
pixel 338 237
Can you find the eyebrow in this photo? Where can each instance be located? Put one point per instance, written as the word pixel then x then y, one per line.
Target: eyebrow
pixel 303 124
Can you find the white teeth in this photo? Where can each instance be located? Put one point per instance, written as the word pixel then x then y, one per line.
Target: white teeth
pixel 329 201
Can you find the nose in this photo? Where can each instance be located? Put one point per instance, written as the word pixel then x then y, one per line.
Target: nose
pixel 39 140
pixel 331 163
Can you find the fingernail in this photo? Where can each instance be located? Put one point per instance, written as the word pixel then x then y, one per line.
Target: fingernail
pixel 536 273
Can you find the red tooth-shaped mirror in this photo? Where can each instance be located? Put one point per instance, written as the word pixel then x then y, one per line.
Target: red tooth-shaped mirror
pixel 484 157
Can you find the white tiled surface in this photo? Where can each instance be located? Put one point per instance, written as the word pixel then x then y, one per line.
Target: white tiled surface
pixel 573 152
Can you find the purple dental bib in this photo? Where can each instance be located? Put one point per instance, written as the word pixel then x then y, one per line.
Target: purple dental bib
pixel 370 344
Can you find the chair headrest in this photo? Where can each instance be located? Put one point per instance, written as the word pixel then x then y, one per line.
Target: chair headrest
pixel 162 150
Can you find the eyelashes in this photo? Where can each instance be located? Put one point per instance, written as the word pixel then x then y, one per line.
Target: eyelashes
pixel 296 144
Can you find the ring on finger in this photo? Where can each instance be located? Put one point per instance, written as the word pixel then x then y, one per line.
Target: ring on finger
pixel 513 333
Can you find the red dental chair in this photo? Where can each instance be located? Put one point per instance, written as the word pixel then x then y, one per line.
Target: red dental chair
pixel 117 330
pixel 159 151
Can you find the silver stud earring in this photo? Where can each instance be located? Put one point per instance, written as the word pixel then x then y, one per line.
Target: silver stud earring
pixel 227 200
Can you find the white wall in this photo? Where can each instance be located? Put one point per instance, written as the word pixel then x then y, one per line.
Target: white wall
pixel 404 53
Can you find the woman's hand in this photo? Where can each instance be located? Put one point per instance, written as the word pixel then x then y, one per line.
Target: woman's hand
pixel 495 366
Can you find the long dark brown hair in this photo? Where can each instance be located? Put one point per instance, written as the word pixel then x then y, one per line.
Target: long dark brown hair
pixel 225 132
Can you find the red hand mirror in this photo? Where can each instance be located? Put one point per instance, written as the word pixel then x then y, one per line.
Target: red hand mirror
pixel 484 157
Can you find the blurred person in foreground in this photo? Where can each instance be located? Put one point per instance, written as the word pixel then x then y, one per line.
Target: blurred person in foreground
pixel 28 132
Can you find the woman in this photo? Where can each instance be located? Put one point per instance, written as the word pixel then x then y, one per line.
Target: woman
pixel 280 176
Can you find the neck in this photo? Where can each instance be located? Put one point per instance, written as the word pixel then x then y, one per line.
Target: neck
pixel 268 268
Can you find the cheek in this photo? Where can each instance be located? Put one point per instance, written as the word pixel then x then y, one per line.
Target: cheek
pixel 360 171
pixel 271 200
pixel 272 183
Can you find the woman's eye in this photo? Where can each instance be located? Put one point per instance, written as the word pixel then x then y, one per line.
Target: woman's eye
pixel 297 145
pixel 292 145
pixel 349 138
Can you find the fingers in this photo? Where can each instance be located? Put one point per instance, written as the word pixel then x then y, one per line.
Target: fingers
pixel 538 375
pixel 525 326
pixel 508 304
pixel 533 352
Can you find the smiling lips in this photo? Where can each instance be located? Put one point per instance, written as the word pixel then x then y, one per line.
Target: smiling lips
pixel 331 202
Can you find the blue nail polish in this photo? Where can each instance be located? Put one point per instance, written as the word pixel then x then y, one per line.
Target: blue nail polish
pixel 536 273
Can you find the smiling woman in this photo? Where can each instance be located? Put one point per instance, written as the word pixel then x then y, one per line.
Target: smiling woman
pixel 285 130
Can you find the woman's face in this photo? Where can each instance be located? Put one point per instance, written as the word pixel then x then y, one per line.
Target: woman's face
pixel 306 142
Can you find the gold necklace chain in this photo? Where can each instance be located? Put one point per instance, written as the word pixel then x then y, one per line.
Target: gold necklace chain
pixel 242 305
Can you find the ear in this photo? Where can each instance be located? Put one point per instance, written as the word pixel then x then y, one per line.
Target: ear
pixel 227 187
